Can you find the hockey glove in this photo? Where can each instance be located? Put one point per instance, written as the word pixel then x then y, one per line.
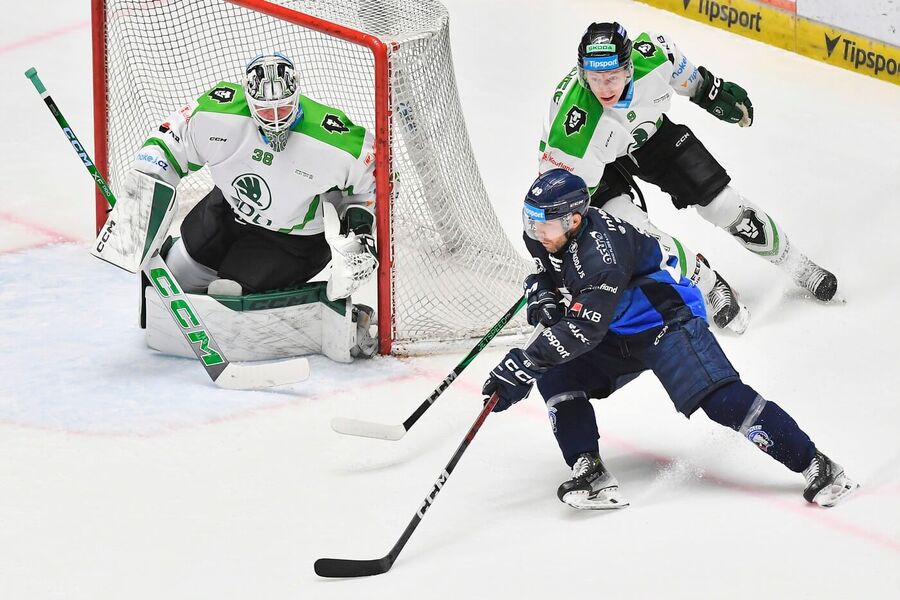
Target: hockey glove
pixel 725 100
pixel 511 379
pixel 543 308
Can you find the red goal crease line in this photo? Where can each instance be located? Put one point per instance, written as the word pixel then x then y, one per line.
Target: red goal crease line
pixel 42 37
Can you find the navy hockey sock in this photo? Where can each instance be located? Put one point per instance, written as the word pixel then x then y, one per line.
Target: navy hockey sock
pixel 764 423
pixel 574 424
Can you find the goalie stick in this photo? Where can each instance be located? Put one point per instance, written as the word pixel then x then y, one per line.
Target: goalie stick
pixel 395 432
pixel 340 567
pixel 224 373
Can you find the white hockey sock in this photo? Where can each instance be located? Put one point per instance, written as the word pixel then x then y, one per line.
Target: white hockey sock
pixel 752 227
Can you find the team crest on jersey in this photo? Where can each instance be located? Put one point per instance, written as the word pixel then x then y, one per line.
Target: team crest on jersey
pixel 222 95
pixel 252 193
pixel 334 124
pixel 575 120
pixel 749 228
pixel 640 134
pixel 646 49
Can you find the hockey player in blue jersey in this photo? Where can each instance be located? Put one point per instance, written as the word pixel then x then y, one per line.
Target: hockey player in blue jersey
pixel 629 310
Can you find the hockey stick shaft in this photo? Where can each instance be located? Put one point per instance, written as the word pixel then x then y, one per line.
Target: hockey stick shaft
pixel 220 370
pixel 395 432
pixel 73 139
pixel 337 567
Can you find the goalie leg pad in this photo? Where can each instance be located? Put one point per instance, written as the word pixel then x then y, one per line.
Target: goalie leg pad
pixel 263 326
pixel 138 223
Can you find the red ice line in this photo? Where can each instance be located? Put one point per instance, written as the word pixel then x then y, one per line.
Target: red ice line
pixel 53 235
pixel 824 517
pixel 40 37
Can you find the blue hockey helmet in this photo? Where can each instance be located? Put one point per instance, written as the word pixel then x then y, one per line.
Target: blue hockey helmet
pixel 551 201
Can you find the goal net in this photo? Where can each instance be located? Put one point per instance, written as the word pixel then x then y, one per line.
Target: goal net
pixel 448 270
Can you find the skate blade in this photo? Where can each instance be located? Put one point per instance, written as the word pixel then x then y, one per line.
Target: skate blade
pixel 604 500
pixel 836 493
pixel 740 322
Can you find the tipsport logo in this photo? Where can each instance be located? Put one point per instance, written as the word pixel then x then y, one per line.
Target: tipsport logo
pixel 732 17
pixel 858 57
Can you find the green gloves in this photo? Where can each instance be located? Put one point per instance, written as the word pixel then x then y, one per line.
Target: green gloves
pixel 727 101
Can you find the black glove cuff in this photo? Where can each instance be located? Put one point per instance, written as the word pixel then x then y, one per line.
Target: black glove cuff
pixel 708 90
pixel 358 220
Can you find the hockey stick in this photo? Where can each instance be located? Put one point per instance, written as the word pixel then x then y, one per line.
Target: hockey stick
pixel 225 374
pixel 340 567
pixel 395 432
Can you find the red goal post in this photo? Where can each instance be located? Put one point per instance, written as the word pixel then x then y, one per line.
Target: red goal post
pixel 395 40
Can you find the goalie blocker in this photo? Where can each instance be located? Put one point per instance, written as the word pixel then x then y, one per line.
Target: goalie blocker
pixel 138 223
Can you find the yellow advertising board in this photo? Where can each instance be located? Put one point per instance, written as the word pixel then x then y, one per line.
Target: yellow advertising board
pixel 775 22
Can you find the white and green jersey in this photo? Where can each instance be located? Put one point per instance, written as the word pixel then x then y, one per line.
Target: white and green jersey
pixel 281 191
pixel 582 137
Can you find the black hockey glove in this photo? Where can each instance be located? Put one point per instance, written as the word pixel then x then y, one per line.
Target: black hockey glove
pixel 360 221
pixel 511 379
pixel 543 308
pixel 725 100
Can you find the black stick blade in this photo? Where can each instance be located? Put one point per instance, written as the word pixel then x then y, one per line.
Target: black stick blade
pixel 339 567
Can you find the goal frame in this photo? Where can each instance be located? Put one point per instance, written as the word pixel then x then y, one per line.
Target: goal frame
pixel 382 132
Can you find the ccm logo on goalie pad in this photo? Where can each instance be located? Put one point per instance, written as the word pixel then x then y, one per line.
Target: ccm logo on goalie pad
pixel 110 225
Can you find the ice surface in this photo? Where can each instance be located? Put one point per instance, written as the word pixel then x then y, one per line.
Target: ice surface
pixel 127 474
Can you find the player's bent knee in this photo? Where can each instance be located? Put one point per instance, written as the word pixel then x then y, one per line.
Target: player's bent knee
pixel 724 208
pixel 736 405
pixel 192 276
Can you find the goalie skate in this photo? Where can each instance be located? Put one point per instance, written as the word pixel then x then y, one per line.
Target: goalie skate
pixel 826 483
pixel 592 486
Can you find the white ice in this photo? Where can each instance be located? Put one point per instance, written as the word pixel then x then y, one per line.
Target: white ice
pixel 126 474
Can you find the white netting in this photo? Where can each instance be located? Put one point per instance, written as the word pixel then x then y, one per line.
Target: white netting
pixel 454 270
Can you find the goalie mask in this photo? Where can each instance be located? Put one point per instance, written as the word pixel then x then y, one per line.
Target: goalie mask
pixel 550 203
pixel 270 86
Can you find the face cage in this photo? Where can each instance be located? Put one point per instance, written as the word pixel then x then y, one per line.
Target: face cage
pixel 276 132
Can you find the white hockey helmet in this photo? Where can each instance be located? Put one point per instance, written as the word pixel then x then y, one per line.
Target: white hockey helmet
pixel 270 86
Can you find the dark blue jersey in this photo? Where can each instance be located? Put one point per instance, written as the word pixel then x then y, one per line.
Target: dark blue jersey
pixel 620 279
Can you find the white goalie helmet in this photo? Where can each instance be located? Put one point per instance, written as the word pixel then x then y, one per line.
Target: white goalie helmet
pixel 270 86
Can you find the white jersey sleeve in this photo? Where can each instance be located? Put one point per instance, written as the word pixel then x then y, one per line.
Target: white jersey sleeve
pixel 359 187
pixel 169 150
pixel 685 78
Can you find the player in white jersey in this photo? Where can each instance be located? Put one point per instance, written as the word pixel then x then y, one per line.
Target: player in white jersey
pixel 274 156
pixel 608 117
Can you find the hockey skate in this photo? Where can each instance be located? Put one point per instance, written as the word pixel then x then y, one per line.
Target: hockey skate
pixel 826 483
pixel 727 311
pixel 592 487
pixel 820 282
pixel 366 344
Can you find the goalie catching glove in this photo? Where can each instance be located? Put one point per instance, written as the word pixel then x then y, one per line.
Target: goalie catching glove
pixel 725 100
pixel 355 259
